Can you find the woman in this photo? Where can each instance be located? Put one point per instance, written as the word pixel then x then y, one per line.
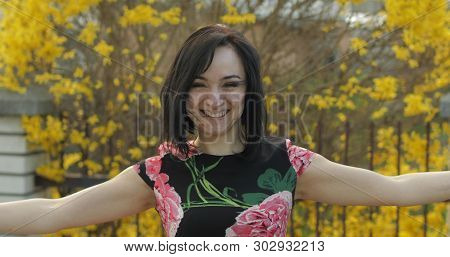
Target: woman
pixel 230 179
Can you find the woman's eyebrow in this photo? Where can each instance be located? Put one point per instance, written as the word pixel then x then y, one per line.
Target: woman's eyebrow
pixel 224 78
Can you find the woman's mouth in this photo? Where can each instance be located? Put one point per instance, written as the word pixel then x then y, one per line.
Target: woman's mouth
pixel 209 114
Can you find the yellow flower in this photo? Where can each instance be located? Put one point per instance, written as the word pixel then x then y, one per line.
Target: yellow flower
pixel 172 16
pixel 401 53
pixel 267 80
pixel 138 88
pixel 93 146
pixel 270 100
pixel 125 51
pixel 46 77
pixel 378 114
pixel 296 110
pixel 342 117
pixel 163 36
pixel 69 55
pixel 77 137
pixel 377 34
pixel 104 49
pixel 53 192
pixel 51 171
pixel 70 159
pixel 358 44
pixel 350 88
pixel 348 1
pixel 78 72
pixel 322 102
pixel 273 128
pixel 139 58
pixel 158 79
pixel 93 119
pixel 233 17
pixel 413 63
pixel 93 167
pixel 135 153
pixel 153 141
pixel 385 88
pixel 89 33
pixel 416 104
pixel 120 97
pixel 140 14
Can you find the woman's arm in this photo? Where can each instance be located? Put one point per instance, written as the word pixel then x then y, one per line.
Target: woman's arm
pixel 334 183
pixel 121 196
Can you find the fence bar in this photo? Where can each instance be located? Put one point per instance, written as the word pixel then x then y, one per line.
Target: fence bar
pixel 291 230
pixel 319 151
pixel 138 232
pixel 427 168
pixel 399 143
pixel 371 166
pixel 344 208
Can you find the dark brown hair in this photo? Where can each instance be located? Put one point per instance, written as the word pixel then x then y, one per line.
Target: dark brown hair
pixel 194 58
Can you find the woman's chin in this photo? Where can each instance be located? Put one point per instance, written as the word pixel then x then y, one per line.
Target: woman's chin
pixel 213 132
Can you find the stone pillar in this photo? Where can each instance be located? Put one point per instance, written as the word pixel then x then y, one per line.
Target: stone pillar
pixel 17 161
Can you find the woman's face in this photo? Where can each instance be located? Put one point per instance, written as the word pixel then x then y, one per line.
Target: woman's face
pixel 216 97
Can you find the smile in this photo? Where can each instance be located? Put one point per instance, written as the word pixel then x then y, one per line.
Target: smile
pixel 214 114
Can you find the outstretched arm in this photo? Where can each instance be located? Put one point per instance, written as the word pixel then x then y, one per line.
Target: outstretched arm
pixel 334 183
pixel 121 196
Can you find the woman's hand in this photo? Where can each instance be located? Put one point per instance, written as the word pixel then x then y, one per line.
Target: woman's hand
pixel 334 183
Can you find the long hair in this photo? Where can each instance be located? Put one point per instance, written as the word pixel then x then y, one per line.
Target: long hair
pixel 194 58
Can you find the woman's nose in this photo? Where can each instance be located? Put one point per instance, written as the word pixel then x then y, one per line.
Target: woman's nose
pixel 214 98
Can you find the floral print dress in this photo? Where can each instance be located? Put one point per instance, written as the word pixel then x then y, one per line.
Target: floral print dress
pixel 209 195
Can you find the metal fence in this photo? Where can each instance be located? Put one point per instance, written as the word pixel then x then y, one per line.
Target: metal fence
pixel 371 132
pixel 71 183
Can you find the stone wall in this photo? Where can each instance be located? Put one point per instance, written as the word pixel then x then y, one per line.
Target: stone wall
pixel 18 161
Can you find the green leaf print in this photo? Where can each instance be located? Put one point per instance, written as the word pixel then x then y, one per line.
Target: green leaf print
pixel 254 198
pixel 271 180
pixel 226 192
pixel 290 179
pixel 216 197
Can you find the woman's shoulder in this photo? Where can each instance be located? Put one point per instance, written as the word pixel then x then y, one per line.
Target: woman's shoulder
pixel 276 147
pixel 281 142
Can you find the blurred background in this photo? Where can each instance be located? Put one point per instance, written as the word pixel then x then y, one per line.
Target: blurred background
pixel 364 83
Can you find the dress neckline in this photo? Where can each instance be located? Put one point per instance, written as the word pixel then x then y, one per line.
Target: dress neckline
pixel 199 152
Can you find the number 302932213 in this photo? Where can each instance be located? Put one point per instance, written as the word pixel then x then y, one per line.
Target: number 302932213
pixel 300 246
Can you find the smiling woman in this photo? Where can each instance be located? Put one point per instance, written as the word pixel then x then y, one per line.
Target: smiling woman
pixel 216 106
pixel 230 179
pixel 214 90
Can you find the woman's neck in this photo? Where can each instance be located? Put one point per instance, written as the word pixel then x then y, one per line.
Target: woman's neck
pixel 219 145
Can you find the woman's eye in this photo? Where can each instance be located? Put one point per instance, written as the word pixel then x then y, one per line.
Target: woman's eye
pixel 231 84
pixel 197 85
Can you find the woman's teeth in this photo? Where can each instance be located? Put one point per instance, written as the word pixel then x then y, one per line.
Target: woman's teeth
pixel 215 114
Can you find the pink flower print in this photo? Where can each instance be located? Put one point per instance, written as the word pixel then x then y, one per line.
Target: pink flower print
pixel 168 202
pixel 300 157
pixel 268 219
pixel 167 147
pixel 161 179
pixel 168 205
pixel 153 166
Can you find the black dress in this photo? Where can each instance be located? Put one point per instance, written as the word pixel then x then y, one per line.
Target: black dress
pixel 209 195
